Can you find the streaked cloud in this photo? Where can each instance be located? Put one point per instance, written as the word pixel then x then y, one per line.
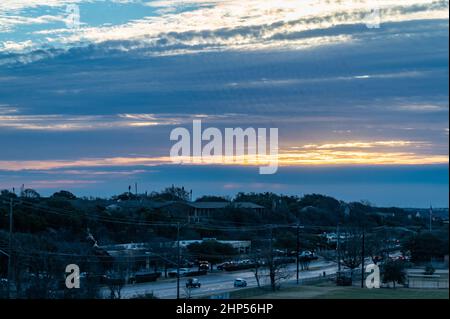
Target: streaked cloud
pixel 5 109
pixel 232 24
pixel 362 144
pixel 59 122
pixel 346 153
pixel 423 108
pixel 181 27
pixel 17 46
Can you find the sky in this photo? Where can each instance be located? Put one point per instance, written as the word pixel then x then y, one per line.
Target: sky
pixel 358 90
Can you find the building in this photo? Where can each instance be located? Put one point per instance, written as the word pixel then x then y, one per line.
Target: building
pixel 204 210
pixel 193 212
pixel 196 212
pixel 241 246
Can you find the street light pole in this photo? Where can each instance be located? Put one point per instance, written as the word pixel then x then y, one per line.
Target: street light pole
pixel 178 261
pixel 363 253
pixel 338 248
pixel 10 247
pixel 298 251
pixel 431 217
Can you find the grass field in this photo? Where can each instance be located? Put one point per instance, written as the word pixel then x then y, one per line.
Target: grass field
pixel 333 292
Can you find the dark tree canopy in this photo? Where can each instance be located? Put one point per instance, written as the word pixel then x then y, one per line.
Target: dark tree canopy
pixel 7 194
pixel 172 193
pixel 394 271
pixel 425 246
pixel 208 198
pixel 64 195
pixel 211 250
pixel 30 193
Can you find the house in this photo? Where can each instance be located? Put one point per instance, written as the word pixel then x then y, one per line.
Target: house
pixel 241 246
pixel 196 212
pixel 133 256
pixel 203 210
pixel 193 212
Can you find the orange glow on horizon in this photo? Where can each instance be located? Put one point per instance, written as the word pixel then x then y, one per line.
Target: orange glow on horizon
pixel 285 158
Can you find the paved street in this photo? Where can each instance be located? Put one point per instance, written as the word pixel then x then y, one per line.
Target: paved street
pixel 218 282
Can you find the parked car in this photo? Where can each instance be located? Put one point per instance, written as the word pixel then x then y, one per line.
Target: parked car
pixel 144 276
pixel 239 282
pixel 279 252
pixel 308 255
pixel 239 266
pixel 222 266
pixel 193 283
pixel 183 272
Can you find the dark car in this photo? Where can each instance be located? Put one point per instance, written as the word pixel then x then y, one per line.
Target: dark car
pixel 203 266
pixel 144 276
pixel 193 283
pixel 222 266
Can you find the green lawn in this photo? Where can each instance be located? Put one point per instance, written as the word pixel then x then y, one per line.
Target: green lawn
pixel 333 292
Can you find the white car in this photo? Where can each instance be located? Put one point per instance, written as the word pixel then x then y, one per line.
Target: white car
pixel 239 282
pixel 183 272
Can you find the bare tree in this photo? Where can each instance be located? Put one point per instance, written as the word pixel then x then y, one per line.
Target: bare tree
pixel 376 246
pixel 275 269
pixel 255 259
pixel 115 283
pixel 351 250
pixel 188 291
pixel 304 262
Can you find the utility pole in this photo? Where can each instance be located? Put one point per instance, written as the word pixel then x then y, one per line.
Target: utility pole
pixel 362 258
pixel 338 248
pixel 178 260
pixel 298 251
pixel 271 265
pixel 431 214
pixel 270 243
pixel 10 247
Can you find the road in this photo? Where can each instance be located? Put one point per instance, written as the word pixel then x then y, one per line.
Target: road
pixel 217 282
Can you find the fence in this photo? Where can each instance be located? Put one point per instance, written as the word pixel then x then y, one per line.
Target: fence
pixel 428 281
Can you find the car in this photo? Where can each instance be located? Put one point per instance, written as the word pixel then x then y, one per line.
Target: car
pixel 222 266
pixel 203 266
pixel 239 282
pixel 144 276
pixel 279 252
pixel 183 272
pixel 193 283
pixel 305 253
pixel 308 255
